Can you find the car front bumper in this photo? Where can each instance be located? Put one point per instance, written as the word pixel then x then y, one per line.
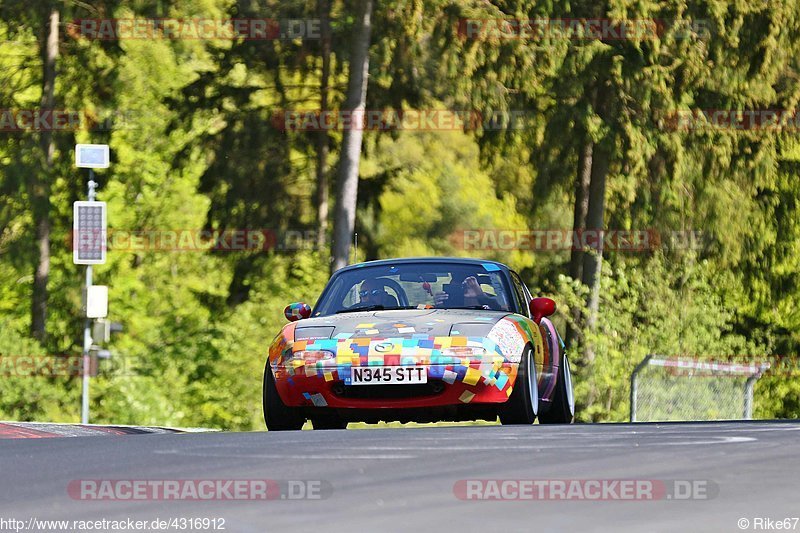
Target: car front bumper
pixel 477 382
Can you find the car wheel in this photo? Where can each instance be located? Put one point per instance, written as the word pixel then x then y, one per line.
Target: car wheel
pixel 523 404
pixel 328 421
pixel 278 416
pixel 562 408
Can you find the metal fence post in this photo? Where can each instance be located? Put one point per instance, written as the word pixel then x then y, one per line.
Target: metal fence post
pixel 634 385
pixel 748 397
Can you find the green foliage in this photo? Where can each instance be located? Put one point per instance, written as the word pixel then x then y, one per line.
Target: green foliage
pixel 28 397
pixel 666 307
pixel 195 146
pixel 434 193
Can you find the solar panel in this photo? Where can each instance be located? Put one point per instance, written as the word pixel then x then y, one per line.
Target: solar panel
pixel 89 233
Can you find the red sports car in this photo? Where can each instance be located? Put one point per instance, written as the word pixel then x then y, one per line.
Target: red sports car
pixel 424 340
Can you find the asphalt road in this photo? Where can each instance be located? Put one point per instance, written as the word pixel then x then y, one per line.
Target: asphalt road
pixel 411 479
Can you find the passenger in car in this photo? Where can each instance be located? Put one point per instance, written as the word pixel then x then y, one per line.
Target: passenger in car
pixel 464 292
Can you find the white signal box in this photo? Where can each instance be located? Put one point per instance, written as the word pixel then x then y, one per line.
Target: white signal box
pixel 97 301
pixel 91 156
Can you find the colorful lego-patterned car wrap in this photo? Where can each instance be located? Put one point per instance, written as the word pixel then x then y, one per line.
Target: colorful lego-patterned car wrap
pixel 473 355
pixel 296 311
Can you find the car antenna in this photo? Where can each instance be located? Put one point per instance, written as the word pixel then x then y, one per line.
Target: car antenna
pixel 355 252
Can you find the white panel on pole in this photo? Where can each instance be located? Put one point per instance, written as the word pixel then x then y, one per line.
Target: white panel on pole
pixel 91 156
pixel 97 301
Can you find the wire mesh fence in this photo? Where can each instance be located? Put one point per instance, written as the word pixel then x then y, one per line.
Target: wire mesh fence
pixel 674 389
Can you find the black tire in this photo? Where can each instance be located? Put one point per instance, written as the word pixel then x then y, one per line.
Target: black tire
pixel 523 404
pixel 328 421
pixel 562 408
pixel 277 416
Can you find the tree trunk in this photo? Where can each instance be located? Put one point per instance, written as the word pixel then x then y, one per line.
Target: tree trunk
pixel 593 259
pixel 39 183
pixel 239 287
pixel 582 180
pixel 347 178
pixel 581 206
pixel 323 11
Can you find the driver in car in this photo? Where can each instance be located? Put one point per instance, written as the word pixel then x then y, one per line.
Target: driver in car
pixel 372 292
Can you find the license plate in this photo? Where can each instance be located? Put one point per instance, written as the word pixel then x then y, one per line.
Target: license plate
pixel 387 375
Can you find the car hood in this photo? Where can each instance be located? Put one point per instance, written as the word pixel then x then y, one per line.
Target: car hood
pixel 403 323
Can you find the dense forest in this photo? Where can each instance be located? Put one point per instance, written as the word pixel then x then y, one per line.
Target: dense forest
pixel 498 129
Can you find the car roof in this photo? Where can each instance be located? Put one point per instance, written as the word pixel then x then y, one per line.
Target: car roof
pixel 462 260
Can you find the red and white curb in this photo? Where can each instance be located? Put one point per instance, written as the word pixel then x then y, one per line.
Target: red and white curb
pixel 40 430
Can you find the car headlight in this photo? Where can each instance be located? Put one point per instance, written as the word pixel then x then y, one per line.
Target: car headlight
pixel 508 339
pixel 310 357
pixel 464 351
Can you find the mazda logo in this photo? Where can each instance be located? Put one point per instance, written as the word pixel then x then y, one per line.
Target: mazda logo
pixel 383 347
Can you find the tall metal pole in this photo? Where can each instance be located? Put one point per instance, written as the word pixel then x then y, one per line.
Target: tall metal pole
pixel 87 330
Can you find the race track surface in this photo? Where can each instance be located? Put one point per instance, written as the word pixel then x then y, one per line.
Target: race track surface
pixel 414 479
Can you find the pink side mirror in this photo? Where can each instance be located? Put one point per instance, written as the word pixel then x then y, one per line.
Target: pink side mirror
pixel 297 311
pixel 542 307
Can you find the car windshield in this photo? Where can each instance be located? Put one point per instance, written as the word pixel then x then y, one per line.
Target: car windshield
pixel 416 285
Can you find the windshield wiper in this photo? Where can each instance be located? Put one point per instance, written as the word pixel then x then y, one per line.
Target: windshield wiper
pixel 362 308
pixel 376 307
pixel 483 307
